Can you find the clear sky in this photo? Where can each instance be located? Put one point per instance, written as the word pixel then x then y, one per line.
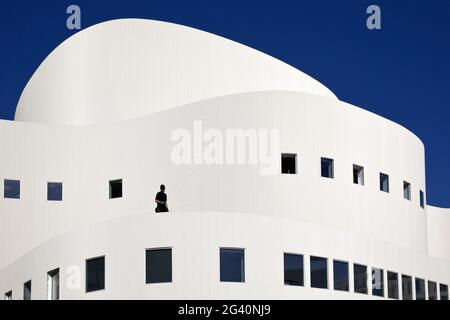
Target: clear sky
pixel 401 72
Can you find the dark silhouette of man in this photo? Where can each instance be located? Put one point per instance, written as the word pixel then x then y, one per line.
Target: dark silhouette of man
pixel 161 200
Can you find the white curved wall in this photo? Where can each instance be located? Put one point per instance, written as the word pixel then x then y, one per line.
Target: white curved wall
pixel 123 69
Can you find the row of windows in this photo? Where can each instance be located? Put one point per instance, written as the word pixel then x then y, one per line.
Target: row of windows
pixel 158 269
pixel 289 166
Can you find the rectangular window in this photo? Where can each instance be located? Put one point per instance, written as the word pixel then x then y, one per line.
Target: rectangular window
pixel 340 275
pixel 443 288
pixel 8 295
pixel 384 182
pixel 95 274
pixel 54 191
pixel 288 163
pixel 115 189
pixel 432 290
pixel 11 189
pixel 360 278
pixel 420 289
pixel 319 272
pixel 378 282
pixel 358 175
pixel 407 290
pixel 327 168
pixel 232 265
pixel 422 199
pixel 392 285
pixel 293 269
pixel 53 285
pixel 158 265
pixel 406 190
pixel 27 290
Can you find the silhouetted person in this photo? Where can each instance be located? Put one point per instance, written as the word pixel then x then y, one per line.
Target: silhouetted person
pixel 161 200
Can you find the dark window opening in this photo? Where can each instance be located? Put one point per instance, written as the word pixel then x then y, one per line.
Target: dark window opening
pixel 27 290
pixel 8 295
pixel 327 168
pixel 232 265
pixel 11 189
pixel 432 290
pixel 158 266
pixel 340 273
pixel 384 182
pixel 95 274
pixel 422 199
pixel 392 285
pixel 288 163
pixel 407 290
pixel 358 175
pixel 53 285
pixel 378 282
pixel 319 272
pixel 443 288
pixel 54 191
pixel 115 189
pixel 406 190
pixel 293 269
pixel 360 278
pixel 420 289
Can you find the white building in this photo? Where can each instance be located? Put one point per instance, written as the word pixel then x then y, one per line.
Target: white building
pixel 92 142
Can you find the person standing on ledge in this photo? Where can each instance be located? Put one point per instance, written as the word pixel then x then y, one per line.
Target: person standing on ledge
pixel 161 200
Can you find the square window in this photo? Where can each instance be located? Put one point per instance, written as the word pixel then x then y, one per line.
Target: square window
pixel 293 269
pixel 420 289
pixel 360 278
pixel 392 285
pixel 54 191
pixel 384 182
pixel 358 175
pixel 406 190
pixel 158 265
pixel 432 290
pixel 232 265
pixel 8 295
pixel 340 274
pixel 407 290
pixel 27 290
pixel 11 189
pixel 327 168
pixel 422 199
pixel 95 274
pixel 288 163
pixel 115 189
pixel 319 272
pixel 443 288
pixel 378 282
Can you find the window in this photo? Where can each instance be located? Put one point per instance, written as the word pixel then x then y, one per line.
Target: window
pixel 293 269
pixel 54 191
pixel 392 285
pixel 11 189
pixel 232 265
pixel 360 278
pixel 358 175
pixel 407 291
pixel 443 288
pixel 327 168
pixel 115 189
pixel 27 290
pixel 420 289
pixel 378 282
pixel 319 272
pixel 158 265
pixel 8 295
pixel 384 182
pixel 53 285
pixel 288 163
pixel 422 199
pixel 95 274
pixel 340 275
pixel 432 290
pixel 406 190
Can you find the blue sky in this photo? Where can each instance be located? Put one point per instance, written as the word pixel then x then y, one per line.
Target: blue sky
pixel 401 72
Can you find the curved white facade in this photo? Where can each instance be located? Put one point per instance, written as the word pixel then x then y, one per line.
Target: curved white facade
pixel 104 106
